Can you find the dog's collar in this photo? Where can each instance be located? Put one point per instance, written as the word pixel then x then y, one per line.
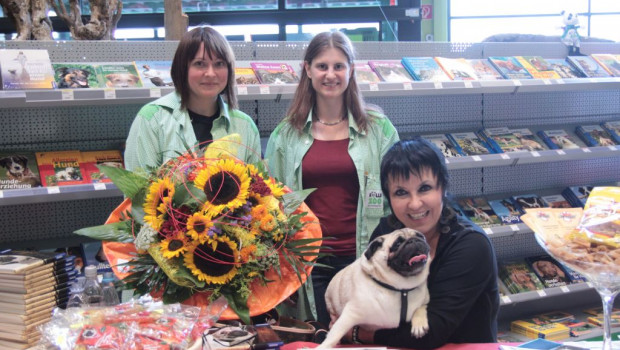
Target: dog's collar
pixel 403 300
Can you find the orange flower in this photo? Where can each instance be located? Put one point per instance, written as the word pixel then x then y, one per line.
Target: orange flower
pixel 246 253
pixel 268 223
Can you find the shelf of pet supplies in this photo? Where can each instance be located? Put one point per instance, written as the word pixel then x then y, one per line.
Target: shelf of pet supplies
pixel 585 287
pixel 507 230
pixel 58 193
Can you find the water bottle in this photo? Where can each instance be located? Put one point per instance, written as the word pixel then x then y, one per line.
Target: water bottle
pixel 76 298
pixel 110 294
pixel 92 289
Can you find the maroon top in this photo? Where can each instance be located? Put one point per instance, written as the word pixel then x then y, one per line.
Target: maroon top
pixel 328 167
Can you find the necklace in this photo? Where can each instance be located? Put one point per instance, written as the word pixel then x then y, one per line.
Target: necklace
pixel 332 123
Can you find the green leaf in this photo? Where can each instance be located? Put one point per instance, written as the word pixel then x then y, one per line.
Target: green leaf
pixel 188 194
pixel 114 232
pixel 293 200
pixel 129 183
pixel 239 305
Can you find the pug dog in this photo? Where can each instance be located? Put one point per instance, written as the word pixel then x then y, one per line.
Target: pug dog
pixel 369 291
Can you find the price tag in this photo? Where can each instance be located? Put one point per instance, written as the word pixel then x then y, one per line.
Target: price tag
pixel 53 190
pixel 590 284
pixel 242 90
pixel 67 95
pixel 447 161
pixel 514 228
pixel 263 90
pixel 541 293
pixel 561 152
pixel 488 231
pixel 613 148
pixel 99 186
pixel 504 156
pixel 438 85
pixel 1 194
pixel 506 299
pixel 546 81
pixel 586 150
pixel 468 84
pixel 476 158
pixel 407 86
pixel 593 80
pixel 155 92
pixel 535 154
pixel 517 82
pixel 375 86
pixel 109 94
pixel 565 289
pixel 560 81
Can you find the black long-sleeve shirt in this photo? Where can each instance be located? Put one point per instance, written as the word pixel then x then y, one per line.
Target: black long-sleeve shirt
pixel 464 298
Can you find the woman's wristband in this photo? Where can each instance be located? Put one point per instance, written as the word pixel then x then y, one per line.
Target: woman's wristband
pixel 355 335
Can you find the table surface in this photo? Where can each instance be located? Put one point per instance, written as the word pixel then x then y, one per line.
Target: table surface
pixel 486 346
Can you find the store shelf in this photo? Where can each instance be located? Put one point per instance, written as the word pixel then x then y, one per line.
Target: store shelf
pixel 58 193
pixel 545 293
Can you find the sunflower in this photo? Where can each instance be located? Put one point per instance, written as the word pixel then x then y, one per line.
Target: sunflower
pixel 159 195
pixel 214 261
pixel 197 226
pixel 277 190
pixel 174 245
pixel 225 185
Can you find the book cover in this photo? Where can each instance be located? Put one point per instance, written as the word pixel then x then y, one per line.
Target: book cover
pixel 557 139
pixel 18 264
pixel 587 66
pixel 555 201
pixel 502 140
pixel 245 76
pixel 538 67
pixel 548 330
pixel 61 168
pixel 457 68
pixel 582 329
pixel 577 195
pixel 390 71
pixel 608 62
pixel 563 68
pixel 91 159
pixel 70 75
pixel 557 316
pixel 477 209
pixel 506 211
pixel 613 128
pixel 154 73
pixel 274 73
pixel 519 277
pixel 469 144
pixel 528 140
pixel 424 69
pixel 484 70
pixel 444 144
pixel 18 169
pixel 365 74
pixel 598 311
pixel 119 75
pixel 26 69
pixel 509 67
pixel 527 201
pixel 574 276
pixel 594 135
pixel 549 271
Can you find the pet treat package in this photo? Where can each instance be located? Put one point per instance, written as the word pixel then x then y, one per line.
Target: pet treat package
pixel 18 170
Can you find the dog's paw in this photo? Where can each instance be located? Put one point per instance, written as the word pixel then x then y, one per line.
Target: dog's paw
pixel 419 326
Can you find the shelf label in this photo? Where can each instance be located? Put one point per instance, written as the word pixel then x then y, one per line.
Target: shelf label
pixel 488 231
pixel 546 81
pixel 590 284
pixel 438 85
pixel 535 154
pixel 109 94
pixel 155 92
pixel 586 150
pixel 99 186
pixel 593 80
pixel 447 161
pixel 242 90
pixel 514 228
pixel 504 156
pixel 517 82
pixel 541 293
pixel 1 194
pixel 506 299
pixel 67 95
pixel 53 190
pixel 468 84
pixel 560 81
pixel 375 86
pixel 561 152
pixel 407 86
pixel 565 289
pixel 613 148
pixel 263 89
pixel 476 158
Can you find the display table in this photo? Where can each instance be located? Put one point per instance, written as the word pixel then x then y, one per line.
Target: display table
pixel 487 346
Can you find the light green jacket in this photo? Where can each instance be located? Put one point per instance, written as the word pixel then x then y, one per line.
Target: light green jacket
pixel 154 136
pixel 286 149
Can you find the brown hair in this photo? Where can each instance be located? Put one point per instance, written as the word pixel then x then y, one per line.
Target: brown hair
pixel 215 45
pixel 305 95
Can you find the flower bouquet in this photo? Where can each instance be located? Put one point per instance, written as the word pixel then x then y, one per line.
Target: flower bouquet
pixel 205 225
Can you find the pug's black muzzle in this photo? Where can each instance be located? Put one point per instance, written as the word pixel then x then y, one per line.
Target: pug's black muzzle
pixel 408 256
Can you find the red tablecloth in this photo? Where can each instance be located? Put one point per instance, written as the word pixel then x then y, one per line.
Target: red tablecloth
pixel 487 346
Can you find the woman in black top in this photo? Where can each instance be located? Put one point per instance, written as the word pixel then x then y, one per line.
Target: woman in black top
pixel 463 272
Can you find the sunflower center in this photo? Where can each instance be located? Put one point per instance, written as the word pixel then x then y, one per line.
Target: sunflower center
pixel 214 262
pixel 164 193
pixel 175 244
pixel 199 227
pixel 222 188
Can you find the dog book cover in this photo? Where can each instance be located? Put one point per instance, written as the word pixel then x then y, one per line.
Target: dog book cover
pixel 477 209
pixel 457 68
pixel 154 73
pixel 91 159
pixel 365 74
pixel 76 76
pixel 587 66
pixel 424 69
pixel 484 70
pixel 245 76
pixel 274 73
pixel 555 201
pixel 19 170
pixel 608 62
pixel 538 67
pixel 61 168
pixel 509 67
pixel 26 69
pixel 447 148
pixel 565 70
pixel 506 210
pixel 548 270
pixel 519 277
pixel 469 144
pixel 557 139
pixel 529 141
pixel 613 128
pixel 119 75
pixel 594 135
pixel 390 71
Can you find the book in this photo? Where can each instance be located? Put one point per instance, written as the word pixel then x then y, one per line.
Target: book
pixel 528 140
pixel 506 211
pixel 527 201
pixel 70 75
pixel 390 71
pixel 557 316
pixel 245 76
pixel 613 128
pixel 555 201
pixel 26 69
pixel 608 62
pixel 444 144
pixel 423 69
pixel 538 67
pixel 154 73
pixel 365 74
pixel 502 140
pixel 469 144
pixel 519 277
pixel 477 209
pixel 274 73
pixel 557 139
pixel 563 68
pixel 509 67
pixel 61 168
pixel 18 264
pixel 594 135
pixel 549 271
pixel 457 68
pixel 587 66
pixel 598 311
pixel 91 159
pixel 18 169
pixel 599 320
pixel 119 75
pixel 484 70
pixel 577 195
pixel 581 329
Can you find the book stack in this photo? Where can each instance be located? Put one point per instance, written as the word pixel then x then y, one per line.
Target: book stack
pixel 32 284
pixel 540 328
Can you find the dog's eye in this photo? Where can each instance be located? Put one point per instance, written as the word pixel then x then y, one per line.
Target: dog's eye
pixel 397 243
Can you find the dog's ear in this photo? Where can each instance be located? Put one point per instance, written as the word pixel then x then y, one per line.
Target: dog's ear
pixel 110 77
pixel 375 245
pixel 4 161
pixel 22 159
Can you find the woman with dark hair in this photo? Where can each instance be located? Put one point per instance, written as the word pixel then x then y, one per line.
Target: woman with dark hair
pixel 203 72
pixel 463 274
pixel 332 141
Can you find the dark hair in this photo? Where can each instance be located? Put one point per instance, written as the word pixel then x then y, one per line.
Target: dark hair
pixel 412 156
pixel 216 46
pixel 305 95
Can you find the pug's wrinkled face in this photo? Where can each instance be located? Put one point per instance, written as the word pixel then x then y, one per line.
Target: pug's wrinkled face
pixel 403 251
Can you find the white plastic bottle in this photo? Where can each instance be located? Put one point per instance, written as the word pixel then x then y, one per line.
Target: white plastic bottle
pixel 93 293
pixel 110 294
